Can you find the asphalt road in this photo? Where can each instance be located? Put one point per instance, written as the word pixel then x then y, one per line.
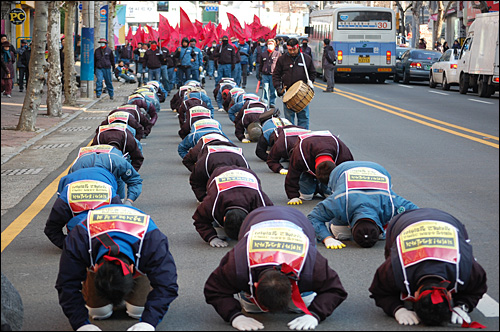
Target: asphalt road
pixel 439 148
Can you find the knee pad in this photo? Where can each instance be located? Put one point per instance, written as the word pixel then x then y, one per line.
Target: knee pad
pixel 134 311
pixel 341 233
pixel 101 312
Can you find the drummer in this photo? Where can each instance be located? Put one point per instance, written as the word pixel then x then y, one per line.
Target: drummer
pixel 291 68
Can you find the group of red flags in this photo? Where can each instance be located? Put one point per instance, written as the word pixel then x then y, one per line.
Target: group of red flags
pixel 171 37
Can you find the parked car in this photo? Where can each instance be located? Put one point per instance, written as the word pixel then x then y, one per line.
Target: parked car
pixel 399 52
pixel 444 71
pixel 415 65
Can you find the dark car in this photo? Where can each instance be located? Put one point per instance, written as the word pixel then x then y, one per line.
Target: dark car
pixel 415 65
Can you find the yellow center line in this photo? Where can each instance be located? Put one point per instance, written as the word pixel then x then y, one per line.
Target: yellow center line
pixel 20 223
pixel 348 95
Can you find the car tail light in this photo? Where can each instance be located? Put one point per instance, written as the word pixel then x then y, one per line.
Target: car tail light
pixel 339 57
pixel 415 65
pixel 388 57
pixel 453 66
pixel 495 79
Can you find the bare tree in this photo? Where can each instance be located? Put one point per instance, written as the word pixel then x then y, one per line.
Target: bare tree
pixel 111 31
pixel 483 5
pixel 97 22
pixel 438 24
pixel 54 83
pixel 415 9
pixel 402 14
pixel 37 65
pixel 70 85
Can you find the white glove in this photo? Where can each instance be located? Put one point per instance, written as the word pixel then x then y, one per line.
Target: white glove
pixel 245 140
pixel 283 171
pixel 201 69
pixel 310 83
pixel 305 322
pixel 89 327
pixel 331 243
pixel 141 326
pixel 244 323
pixel 218 243
pixel 406 317
pixel 295 201
pixel 458 316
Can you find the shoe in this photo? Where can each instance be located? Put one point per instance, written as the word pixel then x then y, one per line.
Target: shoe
pixel 244 86
pixel 21 90
pixel 98 96
pixel 221 110
pixel 111 97
pixel 327 90
pixel 9 96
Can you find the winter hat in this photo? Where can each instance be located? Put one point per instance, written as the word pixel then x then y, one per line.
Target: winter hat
pixel 365 233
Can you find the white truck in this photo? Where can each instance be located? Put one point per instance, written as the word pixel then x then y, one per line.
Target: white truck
pixel 478 65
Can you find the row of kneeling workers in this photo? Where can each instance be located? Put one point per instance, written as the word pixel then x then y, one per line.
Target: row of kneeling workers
pixel 275 265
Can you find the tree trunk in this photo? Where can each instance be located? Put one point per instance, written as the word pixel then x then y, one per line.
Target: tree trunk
pixel 97 22
pixel 70 85
pixel 111 30
pixel 54 83
pixel 37 65
pixel 415 9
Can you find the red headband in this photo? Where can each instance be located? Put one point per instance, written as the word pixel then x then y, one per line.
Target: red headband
pixel 321 159
pixel 292 47
pixel 117 261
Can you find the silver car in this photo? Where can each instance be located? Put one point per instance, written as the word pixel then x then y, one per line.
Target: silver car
pixel 415 65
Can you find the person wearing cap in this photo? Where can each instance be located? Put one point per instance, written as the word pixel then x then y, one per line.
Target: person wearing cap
pixel 328 62
pixel 184 57
pixel 199 129
pixel 282 141
pixel 274 280
pixel 23 71
pixel 197 64
pixel 267 64
pixel 444 282
pixel 304 48
pixel 111 159
pixel 270 122
pixel 108 259
pixel 291 68
pixel 104 63
pixel 225 56
pixel 314 156
pixel 232 191
pixel 78 192
pixel 210 158
pixel 360 207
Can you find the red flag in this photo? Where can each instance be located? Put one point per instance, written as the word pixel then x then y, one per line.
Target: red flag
pixel 210 36
pixel 218 32
pixel 235 27
pixel 129 34
pixel 152 34
pixel 174 41
pixel 139 35
pixel 199 29
pixel 187 27
pixel 272 33
pixel 256 20
pixel 248 31
pixel 164 29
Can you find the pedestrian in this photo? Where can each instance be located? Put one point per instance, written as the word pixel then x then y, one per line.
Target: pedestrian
pixel 153 61
pixel 274 279
pixel 126 53
pixel 210 158
pixel 184 58
pixel 8 58
pixel 306 49
pixel 120 137
pixel 199 129
pixel 356 209
pixel 438 47
pixel 78 192
pixel 139 53
pixel 259 49
pixel 314 156
pixel 290 68
pixel 104 62
pixel 445 46
pixel 210 51
pixel 244 51
pixel 23 70
pixel 422 44
pixel 166 61
pixel 443 283
pixel 329 61
pixel 236 71
pixel 191 157
pixel 124 72
pixel 267 64
pixel 197 64
pixel 283 141
pixel 225 56
pixel 110 259
pixel 456 45
pixel 270 122
pixel 110 158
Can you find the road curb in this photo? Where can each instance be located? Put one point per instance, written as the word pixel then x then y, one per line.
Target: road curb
pixel 48 132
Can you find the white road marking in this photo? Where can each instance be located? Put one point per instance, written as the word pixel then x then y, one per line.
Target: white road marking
pixel 481 101
pixel 439 93
pixel 488 306
pixel 405 86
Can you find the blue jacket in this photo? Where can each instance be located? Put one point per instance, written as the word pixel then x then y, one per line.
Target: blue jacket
pixel 374 204
pixel 156 262
pixel 185 56
pixel 61 212
pixel 190 140
pixel 244 49
pixel 117 165
pixel 203 96
pixel 198 58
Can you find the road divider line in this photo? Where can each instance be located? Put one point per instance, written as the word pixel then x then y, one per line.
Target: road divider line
pixel 488 306
pixel 405 86
pixel 23 220
pixel 439 93
pixel 481 101
pixel 344 93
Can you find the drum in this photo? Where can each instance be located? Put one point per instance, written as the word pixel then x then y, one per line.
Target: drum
pixel 298 96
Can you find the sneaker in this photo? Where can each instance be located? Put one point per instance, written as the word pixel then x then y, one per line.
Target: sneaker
pixel 221 110
pixel 9 96
pixel 98 96
pixel 111 97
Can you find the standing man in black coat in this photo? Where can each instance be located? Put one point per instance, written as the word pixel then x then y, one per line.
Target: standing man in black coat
pixel 328 63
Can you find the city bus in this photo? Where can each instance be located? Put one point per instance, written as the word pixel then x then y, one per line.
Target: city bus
pixel 364 40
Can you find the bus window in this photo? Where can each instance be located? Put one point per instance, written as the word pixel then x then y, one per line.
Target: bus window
pixel 365 20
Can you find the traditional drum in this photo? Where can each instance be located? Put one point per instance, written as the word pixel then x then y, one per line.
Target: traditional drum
pixel 298 96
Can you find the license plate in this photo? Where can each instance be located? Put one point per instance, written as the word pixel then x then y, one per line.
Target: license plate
pixel 427 67
pixel 364 59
